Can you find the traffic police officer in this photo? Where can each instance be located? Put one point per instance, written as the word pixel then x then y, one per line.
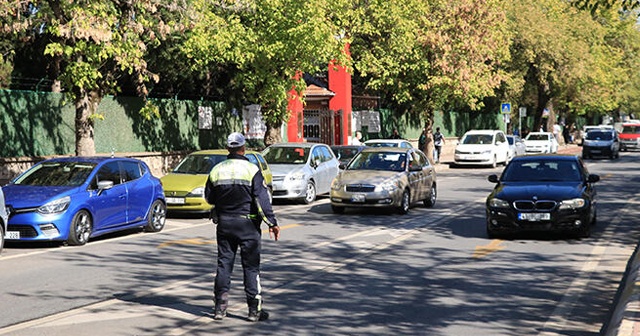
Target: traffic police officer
pixel 238 192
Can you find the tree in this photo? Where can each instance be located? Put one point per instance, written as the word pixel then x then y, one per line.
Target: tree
pixel 269 43
pixel 91 44
pixel 428 55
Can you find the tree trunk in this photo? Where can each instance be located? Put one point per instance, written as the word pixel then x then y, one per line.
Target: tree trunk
pixel 428 127
pixel 86 106
pixel 272 134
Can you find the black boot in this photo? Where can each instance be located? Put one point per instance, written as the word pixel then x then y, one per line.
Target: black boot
pixel 220 310
pixel 256 313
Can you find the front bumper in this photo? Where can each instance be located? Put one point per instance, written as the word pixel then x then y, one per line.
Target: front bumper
pixel 506 221
pixel 597 151
pixel 382 199
pixel 630 144
pixel 289 189
pixel 32 226
pixel 473 159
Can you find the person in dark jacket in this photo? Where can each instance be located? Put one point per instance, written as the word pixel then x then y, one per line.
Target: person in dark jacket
pixel 238 192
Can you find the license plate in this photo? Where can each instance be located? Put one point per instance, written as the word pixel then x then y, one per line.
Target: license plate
pixel 358 198
pixel 175 200
pixel 12 235
pixel 596 151
pixel 534 216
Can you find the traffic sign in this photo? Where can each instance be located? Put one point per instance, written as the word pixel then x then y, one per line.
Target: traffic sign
pixel 506 108
pixel 523 112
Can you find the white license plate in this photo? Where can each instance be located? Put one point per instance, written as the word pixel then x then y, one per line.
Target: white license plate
pixel 175 200
pixel 358 198
pixel 534 216
pixel 12 235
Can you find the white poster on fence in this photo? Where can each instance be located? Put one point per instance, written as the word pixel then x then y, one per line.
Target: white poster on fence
pixel 254 126
pixel 205 114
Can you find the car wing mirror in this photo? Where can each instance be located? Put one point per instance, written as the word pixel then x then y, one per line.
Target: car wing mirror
pixel 493 178
pixel 342 166
pixel 593 178
pixel 104 185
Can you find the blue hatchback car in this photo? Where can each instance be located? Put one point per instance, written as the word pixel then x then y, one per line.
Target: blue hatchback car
pixel 72 199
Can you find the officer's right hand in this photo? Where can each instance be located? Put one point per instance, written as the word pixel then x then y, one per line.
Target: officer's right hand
pixel 274 232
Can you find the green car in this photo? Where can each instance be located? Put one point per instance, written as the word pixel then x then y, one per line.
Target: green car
pixel 184 186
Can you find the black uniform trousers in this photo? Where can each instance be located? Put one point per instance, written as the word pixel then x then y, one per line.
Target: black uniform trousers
pixel 233 232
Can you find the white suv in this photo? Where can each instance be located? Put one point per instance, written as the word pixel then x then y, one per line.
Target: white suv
pixel 482 147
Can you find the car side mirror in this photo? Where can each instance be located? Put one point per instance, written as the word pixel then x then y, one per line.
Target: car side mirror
pixel 342 166
pixel 104 185
pixel 493 178
pixel 593 178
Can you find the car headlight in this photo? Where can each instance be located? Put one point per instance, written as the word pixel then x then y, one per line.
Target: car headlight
pixel 458 152
pixel 336 185
pixel 386 186
pixel 575 203
pixel 299 176
pixel 57 206
pixel 498 203
pixel 197 192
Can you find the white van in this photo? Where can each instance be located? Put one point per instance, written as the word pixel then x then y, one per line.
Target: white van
pixel 483 148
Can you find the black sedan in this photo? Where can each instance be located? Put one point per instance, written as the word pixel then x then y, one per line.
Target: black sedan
pixel 542 193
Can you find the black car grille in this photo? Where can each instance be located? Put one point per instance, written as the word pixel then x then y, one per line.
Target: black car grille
pixel 534 205
pixel 360 188
pixel 26 231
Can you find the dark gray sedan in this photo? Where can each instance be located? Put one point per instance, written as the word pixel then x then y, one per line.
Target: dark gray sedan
pixel 385 177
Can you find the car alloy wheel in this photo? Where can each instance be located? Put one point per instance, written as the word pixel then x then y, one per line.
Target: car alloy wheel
pixel 156 217
pixel 431 200
pixel 405 202
pixel 310 196
pixel 80 230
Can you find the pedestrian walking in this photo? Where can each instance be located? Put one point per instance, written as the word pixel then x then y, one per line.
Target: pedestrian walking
pixel 238 192
pixel 438 142
pixel 395 134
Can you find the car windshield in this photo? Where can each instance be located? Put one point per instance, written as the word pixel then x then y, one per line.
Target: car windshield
pixel 345 153
pixel 542 171
pixel 630 129
pixel 286 155
pixel 199 164
pixel 68 174
pixel 537 137
pixel 599 135
pixel 477 139
pixel 379 161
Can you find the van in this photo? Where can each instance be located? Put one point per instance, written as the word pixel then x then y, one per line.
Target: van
pixel 482 148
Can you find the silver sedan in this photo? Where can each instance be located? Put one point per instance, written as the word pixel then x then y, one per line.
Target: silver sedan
pixel 385 177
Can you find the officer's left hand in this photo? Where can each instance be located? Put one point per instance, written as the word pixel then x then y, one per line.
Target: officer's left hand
pixel 274 232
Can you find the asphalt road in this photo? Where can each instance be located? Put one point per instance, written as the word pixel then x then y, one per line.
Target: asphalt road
pixel 431 272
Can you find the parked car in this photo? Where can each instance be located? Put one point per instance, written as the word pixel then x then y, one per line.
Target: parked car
pixel 301 171
pixel 542 193
pixel 184 185
pixel 345 153
pixel 388 143
pixel 630 136
pixel 482 147
pixel 73 199
pixel 4 218
pixel 385 177
pixel 601 143
pixel 516 146
pixel 541 142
